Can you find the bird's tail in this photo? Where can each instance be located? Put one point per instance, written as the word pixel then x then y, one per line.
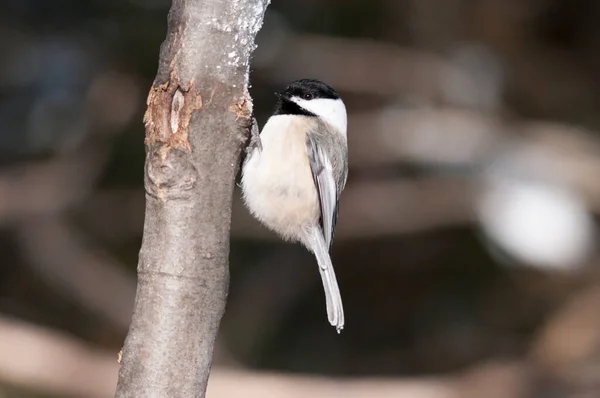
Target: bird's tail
pixel 333 298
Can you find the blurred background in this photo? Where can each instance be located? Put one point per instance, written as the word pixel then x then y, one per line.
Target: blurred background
pixel 466 248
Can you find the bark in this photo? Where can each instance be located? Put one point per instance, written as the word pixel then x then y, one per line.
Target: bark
pixel 197 119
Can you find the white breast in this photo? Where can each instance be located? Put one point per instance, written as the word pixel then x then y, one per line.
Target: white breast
pixel 277 183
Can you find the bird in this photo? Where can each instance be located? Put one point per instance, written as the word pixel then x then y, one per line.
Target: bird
pixel 294 174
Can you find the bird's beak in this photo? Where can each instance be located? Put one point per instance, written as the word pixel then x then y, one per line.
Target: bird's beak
pixel 283 96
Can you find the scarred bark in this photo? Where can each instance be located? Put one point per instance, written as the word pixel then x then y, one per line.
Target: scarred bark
pixel 198 115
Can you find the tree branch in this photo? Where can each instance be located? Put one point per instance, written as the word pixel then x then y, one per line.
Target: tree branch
pixel 197 111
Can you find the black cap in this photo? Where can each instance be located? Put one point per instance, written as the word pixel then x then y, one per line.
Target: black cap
pixel 307 89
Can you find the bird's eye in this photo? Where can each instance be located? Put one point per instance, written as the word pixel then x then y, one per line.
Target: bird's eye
pixel 308 96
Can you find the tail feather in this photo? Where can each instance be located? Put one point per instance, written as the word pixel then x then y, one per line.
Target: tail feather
pixel 333 298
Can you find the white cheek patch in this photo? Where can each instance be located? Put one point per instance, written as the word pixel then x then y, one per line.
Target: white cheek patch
pixel 333 111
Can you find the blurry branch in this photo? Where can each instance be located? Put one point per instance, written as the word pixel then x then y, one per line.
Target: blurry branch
pixel 470 76
pixel 33 198
pixel 48 187
pixel 93 279
pixel 39 359
pixel 559 152
pixel 253 385
pixel 390 69
pixel 459 138
pixel 199 112
pixel 430 136
pixel 43 360
pixel 393 70
pixel 567 346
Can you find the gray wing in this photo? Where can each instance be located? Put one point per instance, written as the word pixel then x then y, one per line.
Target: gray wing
pixel 328 156
pixel 254 142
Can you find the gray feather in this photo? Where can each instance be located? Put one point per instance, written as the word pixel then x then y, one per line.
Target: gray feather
pixel 333 298
pixel 255 142
pixel 328 157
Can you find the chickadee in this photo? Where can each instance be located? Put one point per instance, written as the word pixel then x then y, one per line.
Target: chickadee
pixel 293 177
